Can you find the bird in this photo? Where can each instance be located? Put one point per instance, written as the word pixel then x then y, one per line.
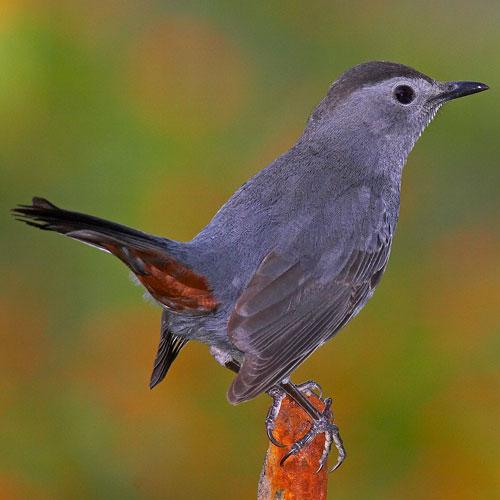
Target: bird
pixel 295 253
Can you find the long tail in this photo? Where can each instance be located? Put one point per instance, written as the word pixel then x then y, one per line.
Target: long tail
pixel 169 281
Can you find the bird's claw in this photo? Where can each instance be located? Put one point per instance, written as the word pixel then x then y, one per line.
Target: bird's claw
pixel 310 387
pixel 278 396
pixel 332 435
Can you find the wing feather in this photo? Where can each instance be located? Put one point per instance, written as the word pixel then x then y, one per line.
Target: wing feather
pixel 286 312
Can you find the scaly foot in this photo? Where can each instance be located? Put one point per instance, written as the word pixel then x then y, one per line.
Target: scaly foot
pixel 332 435
pixel 321 421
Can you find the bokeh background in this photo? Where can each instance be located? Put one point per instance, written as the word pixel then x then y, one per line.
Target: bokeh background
pixel 152 114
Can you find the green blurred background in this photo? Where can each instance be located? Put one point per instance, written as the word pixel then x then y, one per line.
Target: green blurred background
pixel 152 114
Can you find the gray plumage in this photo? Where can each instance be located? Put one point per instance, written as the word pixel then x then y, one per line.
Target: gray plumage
pixel 298 250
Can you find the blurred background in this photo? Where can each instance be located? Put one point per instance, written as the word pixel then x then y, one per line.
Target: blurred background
pixel 152 114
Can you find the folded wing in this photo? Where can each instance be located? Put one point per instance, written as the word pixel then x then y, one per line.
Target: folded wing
pixel 286 311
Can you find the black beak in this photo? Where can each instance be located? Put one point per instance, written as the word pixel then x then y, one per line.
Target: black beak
pixel 452 90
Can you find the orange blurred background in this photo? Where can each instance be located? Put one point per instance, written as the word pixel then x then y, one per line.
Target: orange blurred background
pixel 152 114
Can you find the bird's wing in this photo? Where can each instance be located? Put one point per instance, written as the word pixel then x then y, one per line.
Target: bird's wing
pixel 285 313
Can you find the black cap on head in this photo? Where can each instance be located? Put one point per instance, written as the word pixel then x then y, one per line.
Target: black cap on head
pixel 365 74
pixel 370 73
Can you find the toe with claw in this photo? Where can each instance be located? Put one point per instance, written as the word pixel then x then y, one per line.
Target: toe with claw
pixel 323 425
pixel 321 421
pixel 278 395
pixel 310 387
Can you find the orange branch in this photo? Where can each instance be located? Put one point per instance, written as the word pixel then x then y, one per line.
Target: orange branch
pixel 298 478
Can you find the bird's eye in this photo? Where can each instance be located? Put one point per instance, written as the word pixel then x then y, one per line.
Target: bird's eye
pixel 404 94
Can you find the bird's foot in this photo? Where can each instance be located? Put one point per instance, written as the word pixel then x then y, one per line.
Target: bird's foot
pixel 310 387
pixel 278 394
pixel 322 425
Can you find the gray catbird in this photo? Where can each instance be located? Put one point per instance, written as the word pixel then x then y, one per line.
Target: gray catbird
pixel 296 252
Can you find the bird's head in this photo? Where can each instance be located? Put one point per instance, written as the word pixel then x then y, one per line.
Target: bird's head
pixel 383 105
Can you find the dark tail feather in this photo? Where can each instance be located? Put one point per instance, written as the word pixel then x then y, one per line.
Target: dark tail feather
pixel 154 260
pixel 124 242
pixel 87 228
pixel 146 255
pixel 169 348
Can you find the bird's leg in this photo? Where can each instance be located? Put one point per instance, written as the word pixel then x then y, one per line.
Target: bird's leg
pixel 321 424
pixel 321 420
pixel 310 387
pixel 233 365
pixel 278 393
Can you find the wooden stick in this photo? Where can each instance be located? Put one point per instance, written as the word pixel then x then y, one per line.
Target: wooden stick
pixel 297 479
